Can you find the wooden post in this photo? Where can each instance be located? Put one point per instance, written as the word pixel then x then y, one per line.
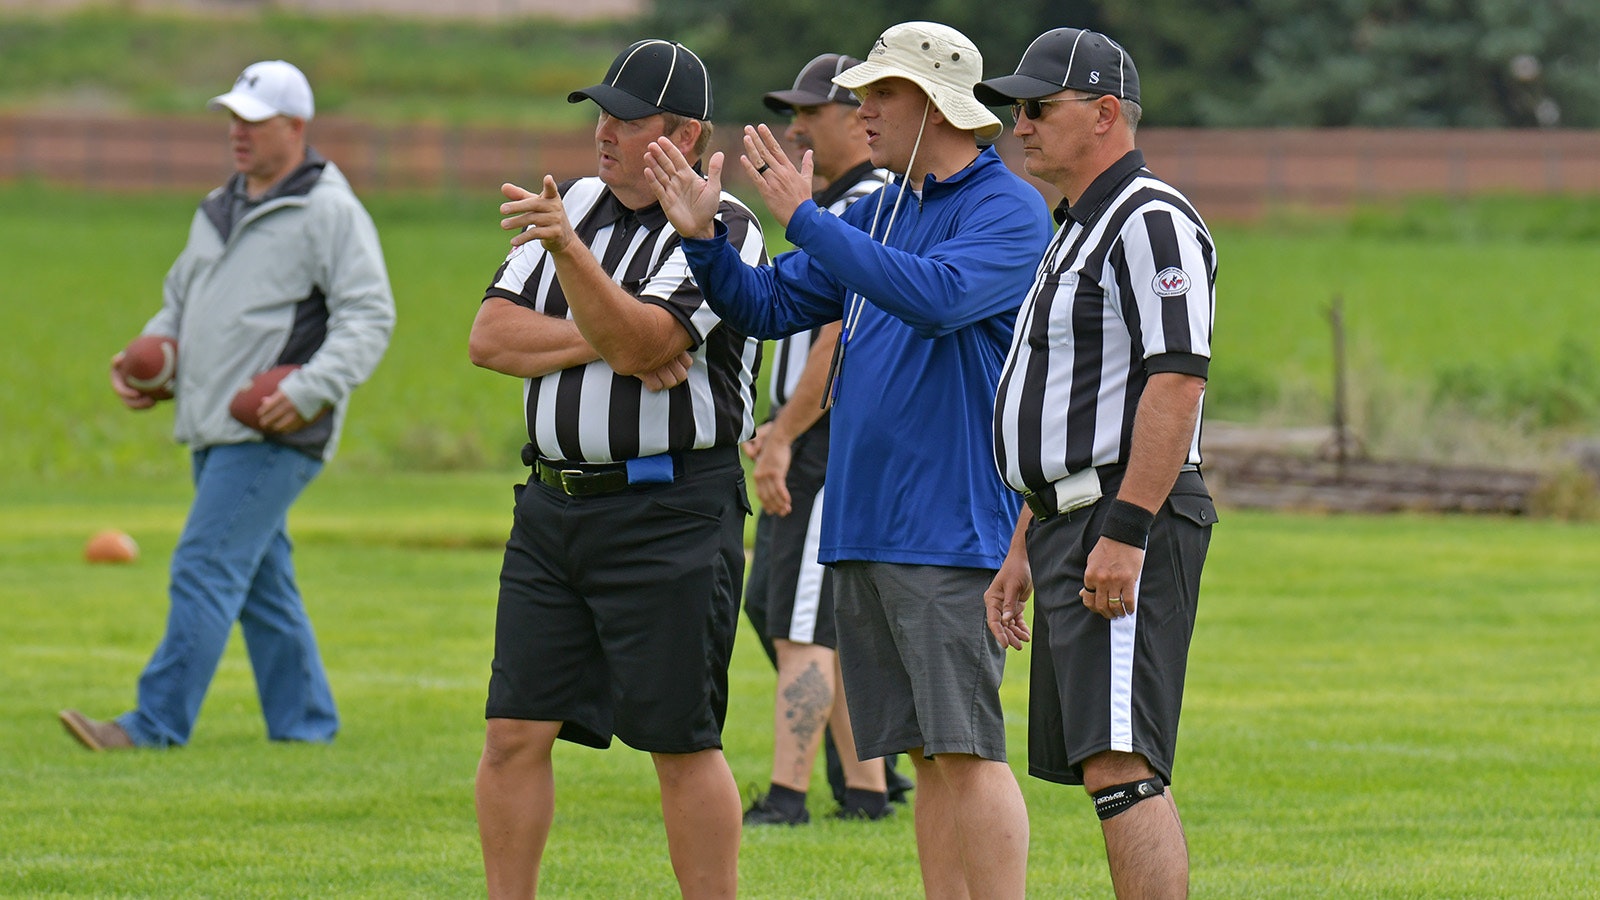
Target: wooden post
pixel 1340 440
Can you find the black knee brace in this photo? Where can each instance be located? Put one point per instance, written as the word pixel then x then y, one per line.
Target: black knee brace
pixel 1117 798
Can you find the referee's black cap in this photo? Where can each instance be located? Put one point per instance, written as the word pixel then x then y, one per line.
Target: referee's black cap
pixel 814 86
pixel 1065 58
pixel 651 77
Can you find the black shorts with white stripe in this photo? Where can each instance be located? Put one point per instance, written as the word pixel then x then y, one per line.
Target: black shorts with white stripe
pixel 790 594
pixel 1099 684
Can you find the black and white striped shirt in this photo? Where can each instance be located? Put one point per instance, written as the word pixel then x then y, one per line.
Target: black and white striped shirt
pixel 789 354
pixel 1127 289
pixel 590 413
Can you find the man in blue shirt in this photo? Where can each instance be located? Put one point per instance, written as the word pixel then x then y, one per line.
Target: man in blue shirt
pixel 927 276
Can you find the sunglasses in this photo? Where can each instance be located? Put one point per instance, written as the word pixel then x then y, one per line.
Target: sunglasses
pixel 1033 109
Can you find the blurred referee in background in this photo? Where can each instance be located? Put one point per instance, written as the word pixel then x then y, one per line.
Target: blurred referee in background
pixel 789 598
pixel 619 593
pixel 1097 423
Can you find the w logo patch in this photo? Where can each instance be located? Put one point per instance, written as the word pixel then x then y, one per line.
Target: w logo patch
pixel 1171 282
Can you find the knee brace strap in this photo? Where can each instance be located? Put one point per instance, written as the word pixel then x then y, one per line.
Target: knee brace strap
pixel 1117 798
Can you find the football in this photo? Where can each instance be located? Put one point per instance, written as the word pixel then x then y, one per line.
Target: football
pixel 150 365
pixel 111 546
pixel 247 402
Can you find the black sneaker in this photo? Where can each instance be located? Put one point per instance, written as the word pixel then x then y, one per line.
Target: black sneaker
pixel 762 812
pixel 850 814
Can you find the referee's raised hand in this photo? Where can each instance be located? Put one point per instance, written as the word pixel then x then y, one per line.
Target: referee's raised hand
pixel 689 201
pixel 536 217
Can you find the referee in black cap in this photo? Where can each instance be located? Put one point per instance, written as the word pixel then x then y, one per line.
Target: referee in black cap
pixel 619 590
pixel 1097 424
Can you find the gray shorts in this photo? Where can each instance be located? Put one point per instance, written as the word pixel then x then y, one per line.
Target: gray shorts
pixel 920 666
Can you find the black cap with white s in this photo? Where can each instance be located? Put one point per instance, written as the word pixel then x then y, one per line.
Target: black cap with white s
pixel 1061 59
pixel 650 77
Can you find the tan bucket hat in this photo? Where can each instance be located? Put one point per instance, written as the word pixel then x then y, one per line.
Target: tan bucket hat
pixel 936 58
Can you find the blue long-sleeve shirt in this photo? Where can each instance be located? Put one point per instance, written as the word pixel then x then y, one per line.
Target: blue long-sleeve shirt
pixel 911 471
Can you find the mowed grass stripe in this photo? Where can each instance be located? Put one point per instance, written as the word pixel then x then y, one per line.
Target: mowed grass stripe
pixel 1377 707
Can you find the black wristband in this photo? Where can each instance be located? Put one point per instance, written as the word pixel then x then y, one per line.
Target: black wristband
pixel 1127 523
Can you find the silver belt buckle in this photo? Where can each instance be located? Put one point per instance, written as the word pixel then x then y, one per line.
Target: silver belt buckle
pixel 573 474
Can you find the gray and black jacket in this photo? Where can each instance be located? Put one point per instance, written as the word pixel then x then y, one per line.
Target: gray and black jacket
pixel 297 277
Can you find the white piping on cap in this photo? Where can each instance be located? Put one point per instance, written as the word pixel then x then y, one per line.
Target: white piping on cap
pixel 834 89
pixel 668 80
pixel 705 98
pixel 1030 50
pixel 1122 76
pixel 1073 56
pixel 624 67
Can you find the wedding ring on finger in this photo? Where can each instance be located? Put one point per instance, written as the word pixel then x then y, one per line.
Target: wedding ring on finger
pixel 762 169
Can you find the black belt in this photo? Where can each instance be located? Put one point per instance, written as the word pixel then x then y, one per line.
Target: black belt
pixel 1043 503
pixel 583 479
pixel 591 479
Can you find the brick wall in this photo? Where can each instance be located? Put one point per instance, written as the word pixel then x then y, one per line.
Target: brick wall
pixel 1230 175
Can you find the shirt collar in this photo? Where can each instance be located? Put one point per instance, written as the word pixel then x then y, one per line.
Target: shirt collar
pixel 1100 190
pixel 610 211
pixel 986 157
pixel 842 185
pixel 295 184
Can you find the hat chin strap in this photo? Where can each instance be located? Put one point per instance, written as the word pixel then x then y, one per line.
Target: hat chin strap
pixel 858 302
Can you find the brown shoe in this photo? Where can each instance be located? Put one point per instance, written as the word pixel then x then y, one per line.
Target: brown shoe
pixel 94 734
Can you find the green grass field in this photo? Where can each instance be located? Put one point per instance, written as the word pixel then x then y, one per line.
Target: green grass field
pixel 1377 707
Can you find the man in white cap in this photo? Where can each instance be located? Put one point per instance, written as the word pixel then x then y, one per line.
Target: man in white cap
pixel 282 267
pixel 927 276
pixel 1097 424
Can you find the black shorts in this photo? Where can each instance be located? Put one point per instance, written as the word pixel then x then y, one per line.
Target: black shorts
pixel 790 594
pixel 617 611
pixel 1099 684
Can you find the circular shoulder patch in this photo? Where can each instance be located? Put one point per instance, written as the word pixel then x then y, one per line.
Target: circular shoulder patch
pixel 1170 282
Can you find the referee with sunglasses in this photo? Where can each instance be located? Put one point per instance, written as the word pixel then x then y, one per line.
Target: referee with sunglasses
pixel 1097 424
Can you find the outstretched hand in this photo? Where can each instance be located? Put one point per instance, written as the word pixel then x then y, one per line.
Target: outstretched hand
pixel 689 201
pixel 536 217
pixel 782 186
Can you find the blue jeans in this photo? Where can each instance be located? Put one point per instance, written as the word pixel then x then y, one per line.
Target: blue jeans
pixel 232 564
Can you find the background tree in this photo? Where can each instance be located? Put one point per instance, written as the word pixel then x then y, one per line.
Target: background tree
pixel 1476 63
pixel 1423 63
pixel 1194 56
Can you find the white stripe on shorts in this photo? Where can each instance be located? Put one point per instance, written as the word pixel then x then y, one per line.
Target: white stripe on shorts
pixel 808 581
pixel 1122 634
